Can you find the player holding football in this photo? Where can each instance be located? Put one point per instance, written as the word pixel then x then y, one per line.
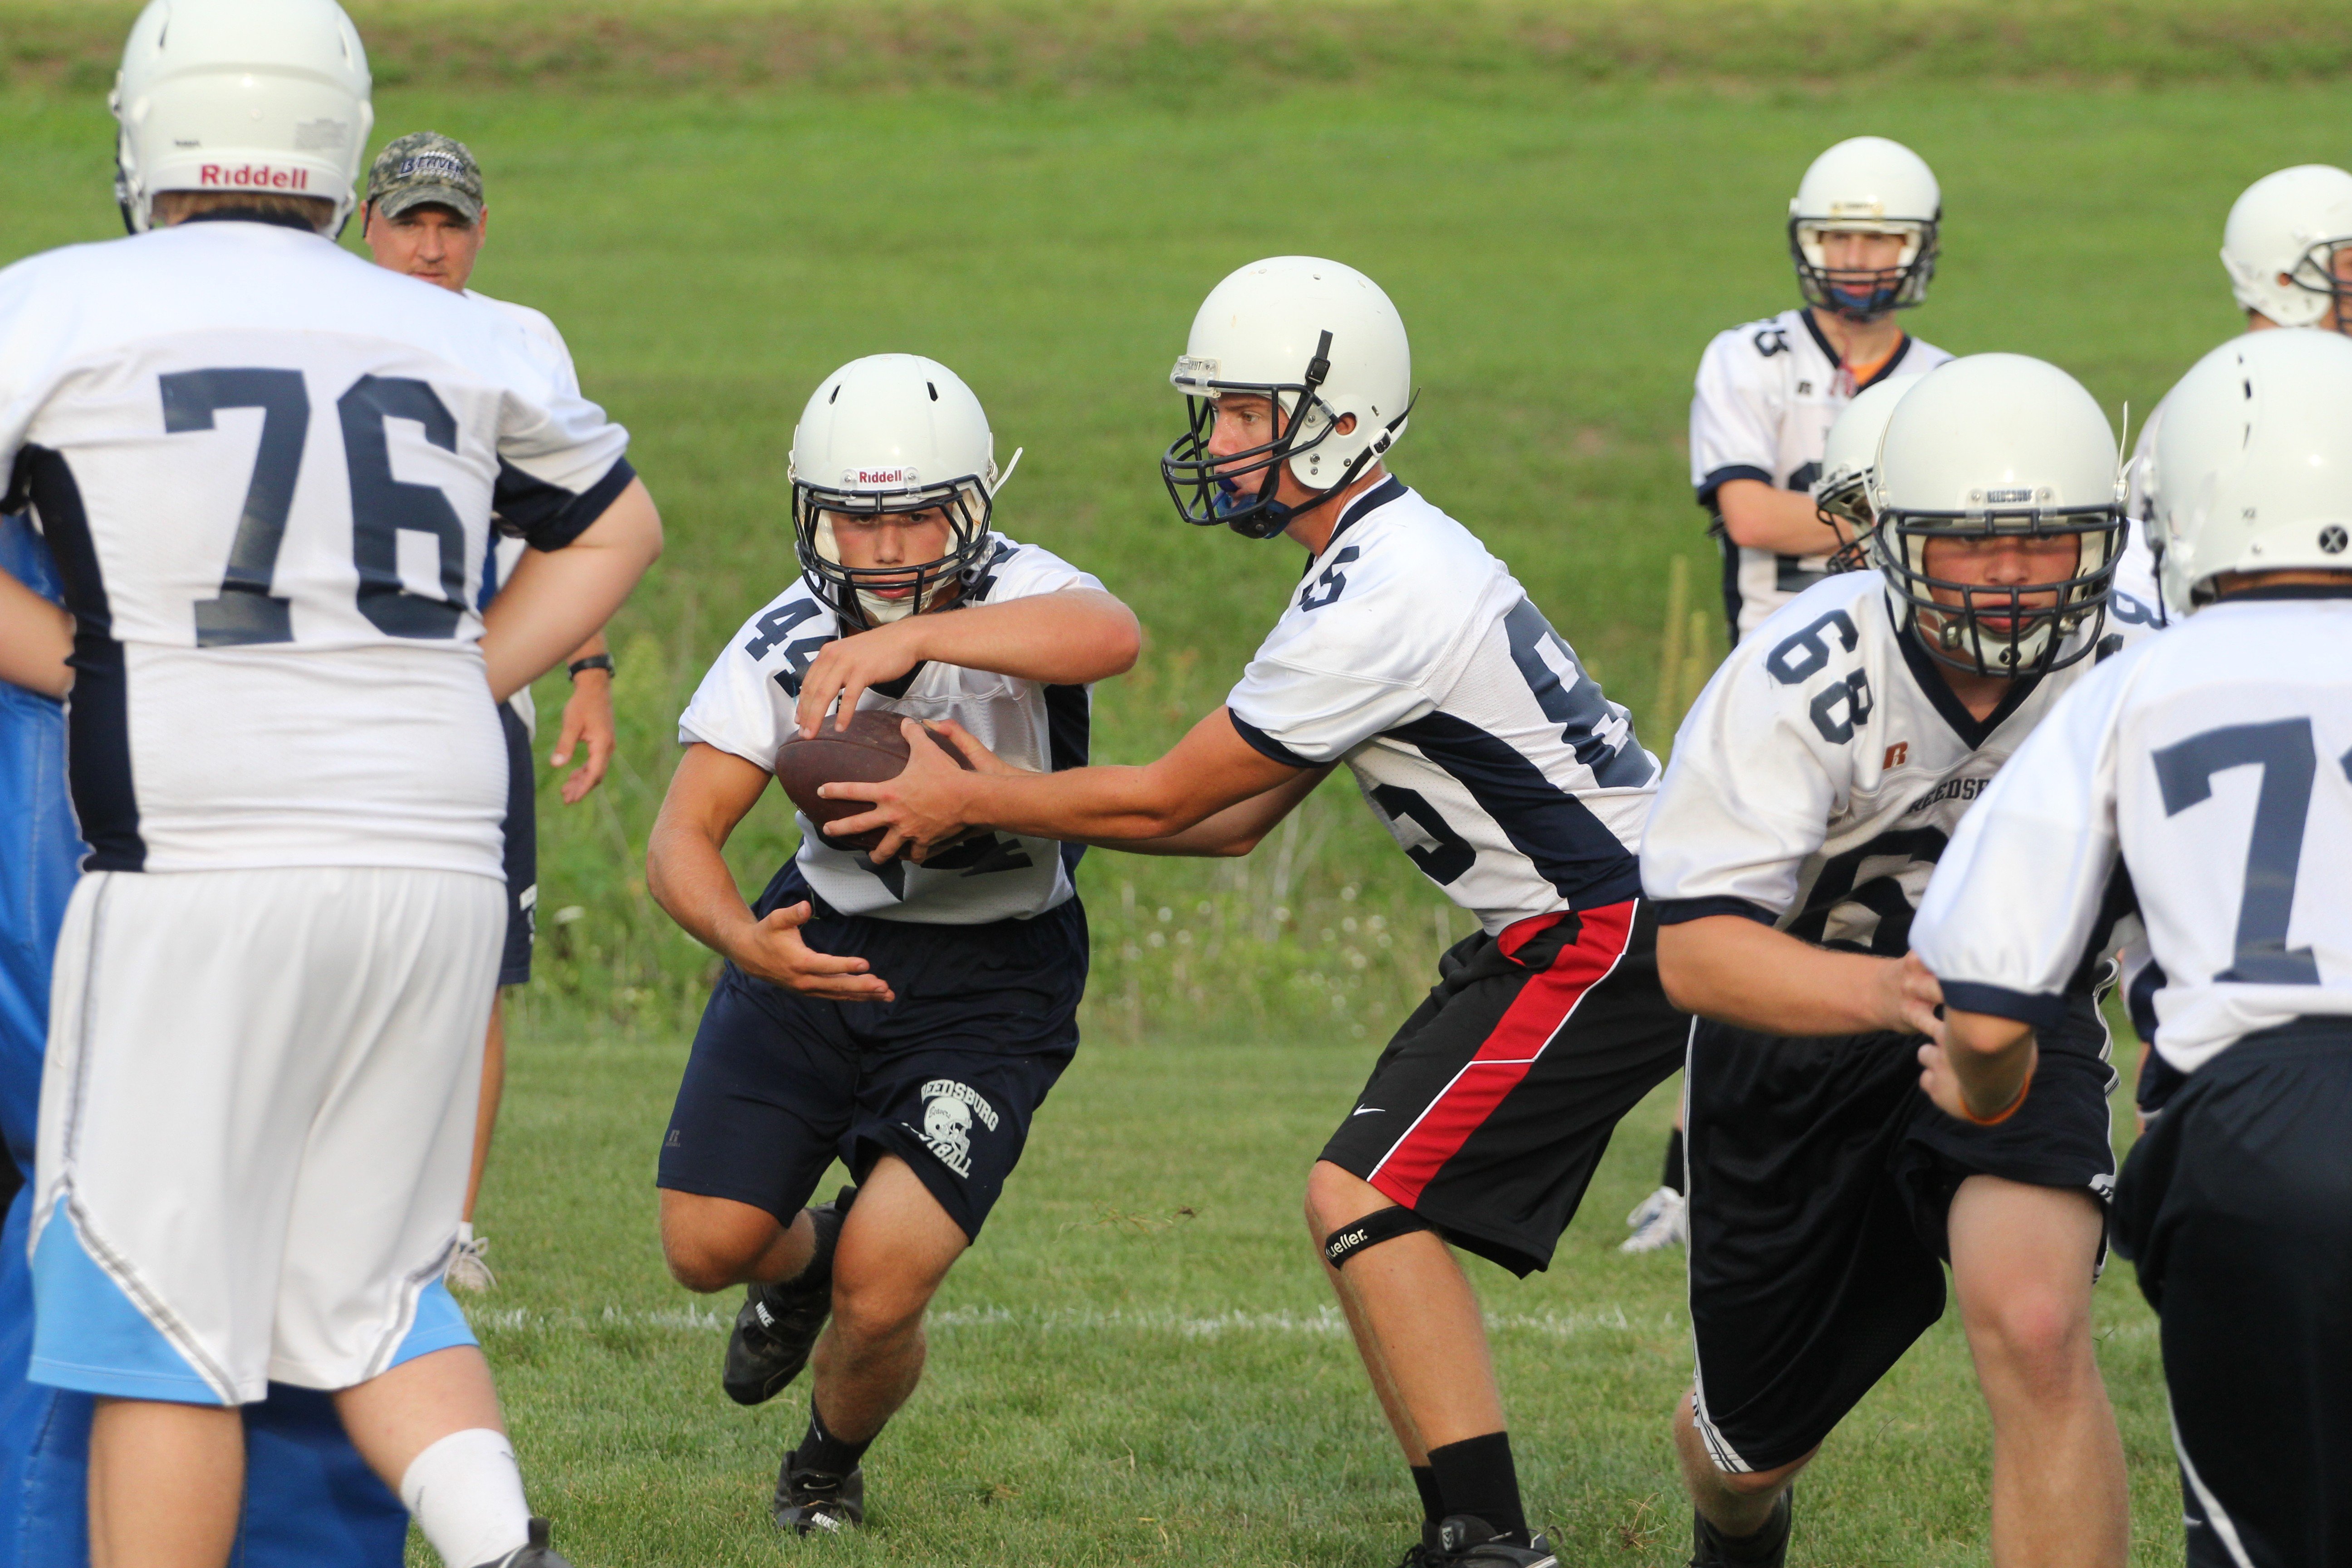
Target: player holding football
pixel 425 217
pixel 1864 228
pixel 908 1020
pixel 2234 729
pixel 1812 787
pixel 267 471
pixel 1410 654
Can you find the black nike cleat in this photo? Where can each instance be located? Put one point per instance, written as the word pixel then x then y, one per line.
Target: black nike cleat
pixel 778 1324
pixel 533 1554
pixel 811 1502
pixel 1466 1541
pixel 1768 1548
pixel 1428 1552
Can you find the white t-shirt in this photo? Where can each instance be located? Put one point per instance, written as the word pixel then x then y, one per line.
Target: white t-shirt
pixel 1767 392
pixel 1821 773
pixel 745 707
pixel 1413 656
pixel 2213 765
pixel 267 468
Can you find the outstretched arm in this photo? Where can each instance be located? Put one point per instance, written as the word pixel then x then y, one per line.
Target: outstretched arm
pixel 557 598
pixel 1063 639
pixel 36 638
pixel 1746 974
pixel 1762 518
pixel 1982 1069
pixel 933 800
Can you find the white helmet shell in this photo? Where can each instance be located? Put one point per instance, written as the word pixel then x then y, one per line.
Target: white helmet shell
pixel 1266 323
pixel 1873 185
pixel 2255 462
pixel 891 433
pixel 1994 444
pixel 2282 226
pixel 1850 456
pixel 241 95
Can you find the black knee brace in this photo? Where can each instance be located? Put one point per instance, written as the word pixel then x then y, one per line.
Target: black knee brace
pixel 1380 1225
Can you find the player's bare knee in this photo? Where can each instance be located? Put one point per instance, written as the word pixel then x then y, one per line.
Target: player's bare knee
pixel 1335 1199
pixel 700 1267
pixel 2037 1339
pixel 877 1310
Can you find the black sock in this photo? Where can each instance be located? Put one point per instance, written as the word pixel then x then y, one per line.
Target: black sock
pixel 1476 1477
pixel 1433 1501
pixel 821 1450
pixel 1673 1176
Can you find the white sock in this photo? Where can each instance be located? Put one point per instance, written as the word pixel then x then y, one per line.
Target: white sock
pixel 466 1493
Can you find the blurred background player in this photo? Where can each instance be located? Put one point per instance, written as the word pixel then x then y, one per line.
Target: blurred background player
pixel 274 973
pixel 425 216
pixel 1864 228
pixel 1410 654
pixel 2232 730
pixel 1813 788
pixel 908 1020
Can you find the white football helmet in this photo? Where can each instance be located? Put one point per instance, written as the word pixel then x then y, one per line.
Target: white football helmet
pixel 886 435
pixel 2288 245
pixel 1322 341
pixel 2254 463
pixel 1989 446
pixel 1849 459
pixel 1870 186
pixel 240 95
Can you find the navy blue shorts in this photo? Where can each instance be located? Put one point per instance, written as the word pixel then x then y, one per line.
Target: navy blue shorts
pixel 521 852
pixel 946 1077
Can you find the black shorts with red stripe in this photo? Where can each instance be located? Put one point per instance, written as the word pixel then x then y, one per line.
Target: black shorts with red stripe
pixel 1488 1111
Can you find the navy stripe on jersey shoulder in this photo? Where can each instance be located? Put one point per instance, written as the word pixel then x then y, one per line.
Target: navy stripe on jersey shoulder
pixel 1262 742
pixel 549 516
pixel 1999 1002
pixel 1569 846
pixel 1363 506
pixel 1723 476
pixel 1674 911
pixel 98 725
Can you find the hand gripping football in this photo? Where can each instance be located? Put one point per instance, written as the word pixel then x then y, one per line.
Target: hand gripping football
pixel 866 750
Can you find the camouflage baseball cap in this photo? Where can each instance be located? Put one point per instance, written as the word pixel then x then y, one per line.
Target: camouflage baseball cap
pixel 423 167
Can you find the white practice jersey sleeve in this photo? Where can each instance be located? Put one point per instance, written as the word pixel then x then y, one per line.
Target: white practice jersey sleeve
pixel 268 469
pixel 1819 777
pixel 1766 394
pixel 745 706
pixel 2214 766
pixel 1412 654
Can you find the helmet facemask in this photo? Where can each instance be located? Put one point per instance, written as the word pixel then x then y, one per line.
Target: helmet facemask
pixel 2050 624
pixel 858 593
pixel 1861 295
pixel 1846 500
pixel 2325 269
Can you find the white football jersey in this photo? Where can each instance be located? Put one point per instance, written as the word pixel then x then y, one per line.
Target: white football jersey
pixel 1413 656
pixel 1767 394
pixel 1821 773
pixel 745 707
pixel 2216 760
pixel 267 468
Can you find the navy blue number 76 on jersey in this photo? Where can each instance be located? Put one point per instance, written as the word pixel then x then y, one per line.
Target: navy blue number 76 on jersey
pixel 244 611
pixel 2283 750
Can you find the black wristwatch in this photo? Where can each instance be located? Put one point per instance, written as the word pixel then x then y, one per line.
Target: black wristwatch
pixel 603 661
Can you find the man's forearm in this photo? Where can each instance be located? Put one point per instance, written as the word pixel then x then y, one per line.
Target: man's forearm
pixel 1108 806
pixel 35 639
pixel 689 878
pixel 557 599
pixel 1069 638
pixel 1991 1057
pixel 1746 974
pixel 1760 517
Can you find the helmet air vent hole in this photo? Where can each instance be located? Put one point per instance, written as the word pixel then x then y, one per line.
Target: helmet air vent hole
pixel 932 390
pixel 836 394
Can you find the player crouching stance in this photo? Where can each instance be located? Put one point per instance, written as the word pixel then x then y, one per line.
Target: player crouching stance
pixel 907 1019
pixel 1811 789
pixel 2235 729
pixel 1412 655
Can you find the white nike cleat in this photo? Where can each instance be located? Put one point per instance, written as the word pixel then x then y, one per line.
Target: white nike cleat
pixel 1659 1221
pixel 467 1270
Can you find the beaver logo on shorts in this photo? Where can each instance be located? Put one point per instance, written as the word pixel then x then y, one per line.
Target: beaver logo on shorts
pixel 948 1110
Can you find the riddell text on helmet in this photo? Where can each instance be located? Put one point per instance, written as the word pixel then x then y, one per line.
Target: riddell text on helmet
pixel 254 178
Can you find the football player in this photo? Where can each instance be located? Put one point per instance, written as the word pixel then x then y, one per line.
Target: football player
pixel 267 471
pixel 1410 654
pixel 1863 230
pixel 2210 770
pixel 1812 787
pixel 425 215
pixel 908 1020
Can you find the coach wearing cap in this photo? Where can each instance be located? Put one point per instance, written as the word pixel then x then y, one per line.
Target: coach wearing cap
pixel 425 217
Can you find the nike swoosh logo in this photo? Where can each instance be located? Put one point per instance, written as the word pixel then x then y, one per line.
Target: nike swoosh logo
pixel 1366 1111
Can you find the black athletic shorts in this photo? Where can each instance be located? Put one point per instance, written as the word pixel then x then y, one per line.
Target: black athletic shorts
pixel 1819 1180
pixel 1487 1112
pixel 522 851
pixel 947 1076
pixel 2237 1209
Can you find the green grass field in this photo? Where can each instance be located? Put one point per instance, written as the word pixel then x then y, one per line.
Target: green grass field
pixel 1139 1363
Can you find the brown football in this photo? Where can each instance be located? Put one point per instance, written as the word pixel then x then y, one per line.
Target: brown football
pixel 866 750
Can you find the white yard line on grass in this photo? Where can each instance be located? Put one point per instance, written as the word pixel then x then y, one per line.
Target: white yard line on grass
pixel 1325 1321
